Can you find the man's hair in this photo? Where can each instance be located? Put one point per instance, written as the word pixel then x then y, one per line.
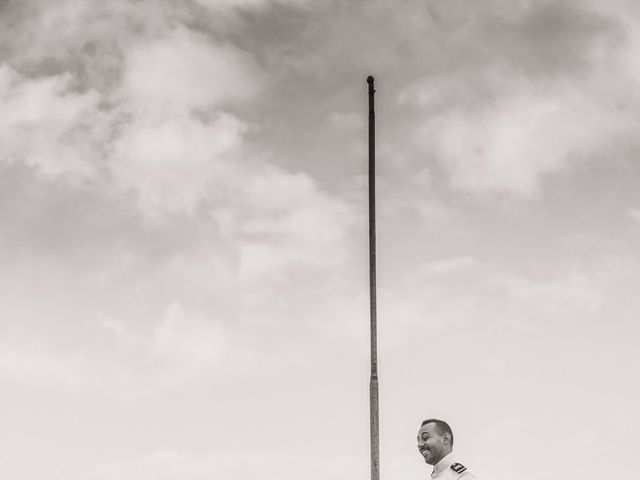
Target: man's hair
pixel 442 426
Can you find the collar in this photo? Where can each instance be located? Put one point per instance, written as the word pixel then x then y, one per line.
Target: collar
pixel 443 464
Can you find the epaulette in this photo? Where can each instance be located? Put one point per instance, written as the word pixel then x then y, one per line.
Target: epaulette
pixel 458 467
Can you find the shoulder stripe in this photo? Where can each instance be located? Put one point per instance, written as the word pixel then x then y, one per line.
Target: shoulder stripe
pixel 458 467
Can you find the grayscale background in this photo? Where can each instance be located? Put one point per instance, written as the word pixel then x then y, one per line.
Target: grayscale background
pixel 183 237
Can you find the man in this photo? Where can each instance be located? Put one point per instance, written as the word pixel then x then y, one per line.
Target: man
pixel 435 444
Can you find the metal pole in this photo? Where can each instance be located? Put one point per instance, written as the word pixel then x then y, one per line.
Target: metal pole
pixel 373 382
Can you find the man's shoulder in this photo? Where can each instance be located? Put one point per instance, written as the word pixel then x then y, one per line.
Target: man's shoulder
pixel 459 470
pixel 467 475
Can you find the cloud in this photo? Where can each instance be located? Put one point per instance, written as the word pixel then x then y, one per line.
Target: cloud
pixel 502 132
pixel 511 144
pixel 124 358
pixel 175 163
pixel 184 71
pixel 461 297
pixel 162 127
pixel 634 214
pixel 285 220
pixel 530 94
pixel 49 125
pixel 455 264
pixel 193 342
pixel 230 466
pixel 180 146
pixel 217 5
pixel 172 133
pixel 86 39
pixel 25 362
pixel 575 290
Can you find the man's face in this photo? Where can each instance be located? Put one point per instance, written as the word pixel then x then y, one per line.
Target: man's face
pixel 431 445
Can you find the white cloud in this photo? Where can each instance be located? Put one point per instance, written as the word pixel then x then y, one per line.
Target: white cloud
pixel 175 163
pixel 28 363
pixel 517 92
pixel 217 5
pixel 447 265
pixel 287 220
pixel 349 121
pixel 184 71
pixel 230 466
pixel 574 291
pixel 181 152
pixel 226 4
pixel 121 358
pixel 634 214
pixel 178 146
pixel 512 143
pixel 46 124
pixel 191 342
pixel 87 39
pixel 274 218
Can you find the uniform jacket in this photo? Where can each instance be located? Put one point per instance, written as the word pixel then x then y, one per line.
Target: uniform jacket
pixel 450 469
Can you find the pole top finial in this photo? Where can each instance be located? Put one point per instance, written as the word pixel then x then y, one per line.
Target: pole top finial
pixel 369 79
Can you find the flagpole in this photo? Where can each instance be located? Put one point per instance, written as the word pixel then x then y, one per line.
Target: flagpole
pixel 373 382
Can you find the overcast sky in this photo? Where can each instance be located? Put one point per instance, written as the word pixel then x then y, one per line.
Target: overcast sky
pixel 183 237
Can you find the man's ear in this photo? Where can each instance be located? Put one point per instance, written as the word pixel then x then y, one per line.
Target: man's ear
pixel 446 438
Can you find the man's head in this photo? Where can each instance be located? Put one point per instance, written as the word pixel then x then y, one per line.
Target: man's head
pixel 435 440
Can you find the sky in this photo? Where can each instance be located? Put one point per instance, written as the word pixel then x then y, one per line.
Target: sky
pixel 183 237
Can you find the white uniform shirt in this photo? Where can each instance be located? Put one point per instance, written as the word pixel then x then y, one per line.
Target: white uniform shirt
pixel 443 471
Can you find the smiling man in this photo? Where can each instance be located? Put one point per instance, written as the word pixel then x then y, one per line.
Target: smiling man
pixel 435 444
